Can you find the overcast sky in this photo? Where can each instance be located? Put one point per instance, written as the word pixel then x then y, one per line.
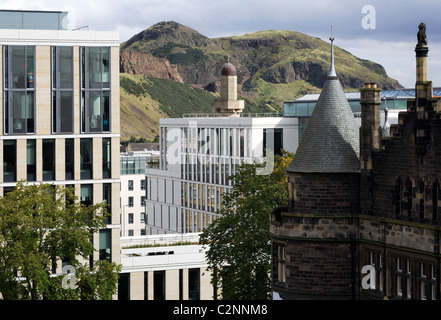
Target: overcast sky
pixel 381 31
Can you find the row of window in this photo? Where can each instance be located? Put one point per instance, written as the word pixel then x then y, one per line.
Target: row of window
pixel 20 86
pixel 10 154
pixel 131 201
pixel 131 185
pixel 419 200
pixel 410 279
pixel 159 285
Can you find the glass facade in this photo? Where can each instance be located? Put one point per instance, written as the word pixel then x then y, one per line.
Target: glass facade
pixel 48 159
pixel 46 20
pixel 86 164
pixel 95 89
pixel 9 160
pixel 62 90
pixel 19 89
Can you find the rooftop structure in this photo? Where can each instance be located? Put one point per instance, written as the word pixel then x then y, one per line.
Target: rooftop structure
pixel 330 142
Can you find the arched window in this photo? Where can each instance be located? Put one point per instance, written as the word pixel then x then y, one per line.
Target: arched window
pixel 397 196
pixel 435 193
pixel 408 196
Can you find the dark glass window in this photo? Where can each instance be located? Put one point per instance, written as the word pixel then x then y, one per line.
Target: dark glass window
pixel 159 285
pixel 105 244
pixel 107 199
pixel 194 287
pixel 277 135
pixel 19 84
pixel 62 89
pixel 9 160
pixel 86 158
pixel 69 155
pixel 86 197
pixel 30 160
pixel 95 89
pixel 106 158
pixel 48 159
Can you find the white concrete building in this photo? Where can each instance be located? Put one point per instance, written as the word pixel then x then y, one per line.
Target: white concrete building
pixel 133 188
pixel 199 153
pixel 164 267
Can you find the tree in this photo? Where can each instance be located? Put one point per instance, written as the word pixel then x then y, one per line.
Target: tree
pixel 238 242
pixel 41 224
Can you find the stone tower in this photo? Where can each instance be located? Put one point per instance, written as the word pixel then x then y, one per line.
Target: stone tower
pixel 313 241
pixel 228 102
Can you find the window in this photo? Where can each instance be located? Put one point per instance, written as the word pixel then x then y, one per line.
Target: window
pixel 69 156
pixel 130 201
pixel 276 144
pixel 105 244
pixel 421 190
pixel 130 218
pixel 86 194
pixel 19 86
pixel 403 278
pixel 427 281
pixel 9 160
pixel 95 89
pixel 142 201
pixel 86 158
pixel 435 192
pixel 107 199
pixel 130 185
pixel 409 196
pixel 62 90
pixel 106 158
pixel 142 217
pixel 376 260
pixel 194 287
pixel 48 159
pixel 30 161
pixel 397 197
pixel 159 285
pixel 143 184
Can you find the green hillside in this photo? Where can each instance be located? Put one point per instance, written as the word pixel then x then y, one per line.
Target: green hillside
pixel 272 67
pixel 144 100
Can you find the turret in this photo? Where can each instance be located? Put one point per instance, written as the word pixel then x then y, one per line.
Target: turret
pixel 228 102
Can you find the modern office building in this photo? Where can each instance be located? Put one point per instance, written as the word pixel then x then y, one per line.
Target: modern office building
pixel 198 154
pixel 60 121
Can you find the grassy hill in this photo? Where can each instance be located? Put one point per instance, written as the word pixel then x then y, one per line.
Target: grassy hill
pixel 273 66
pixel 144 100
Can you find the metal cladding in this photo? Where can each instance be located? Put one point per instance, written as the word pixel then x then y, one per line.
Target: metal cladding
pixel 330 143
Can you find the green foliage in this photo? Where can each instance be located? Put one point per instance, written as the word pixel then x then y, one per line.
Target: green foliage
pixel 42 224
pixel 177 99
pixel 132 87
pixel 178 53
pixel 238 241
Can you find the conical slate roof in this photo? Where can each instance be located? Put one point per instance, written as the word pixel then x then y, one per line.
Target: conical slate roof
pixel 330 143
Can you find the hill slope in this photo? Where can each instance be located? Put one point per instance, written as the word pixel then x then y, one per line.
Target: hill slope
pixel 273 66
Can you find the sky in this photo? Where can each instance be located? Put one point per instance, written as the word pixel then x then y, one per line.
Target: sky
pixel 383 31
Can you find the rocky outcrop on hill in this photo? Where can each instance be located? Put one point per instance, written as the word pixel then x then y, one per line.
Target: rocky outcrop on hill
pixel 134 62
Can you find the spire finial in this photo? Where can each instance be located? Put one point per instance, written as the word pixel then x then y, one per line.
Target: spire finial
pixel 332 71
